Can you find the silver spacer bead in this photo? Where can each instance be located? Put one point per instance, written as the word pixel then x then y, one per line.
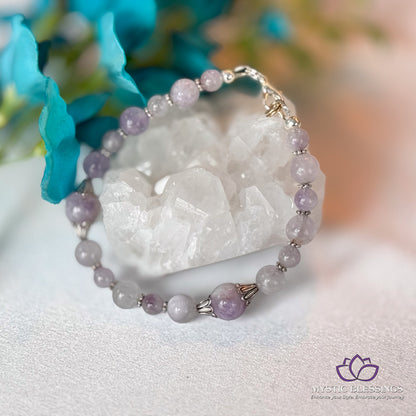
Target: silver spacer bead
pixel 281 267
pixel 305 185
pixel 105 152
pixel 247 291
pixel 140 300
pixel 300 152
pixel 205 308
pixel 295 244
pixel 85 187
pixel 300 212
pixel 165 306
pixel 122 133
pixel 81 230
pixel 96 266
pixel 146 110
pixel 168 99
pixel 198 84
pixel 292 122
pixel 228 76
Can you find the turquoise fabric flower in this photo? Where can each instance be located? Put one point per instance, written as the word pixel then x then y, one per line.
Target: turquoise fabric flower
pixel 19 66
pixel 57 129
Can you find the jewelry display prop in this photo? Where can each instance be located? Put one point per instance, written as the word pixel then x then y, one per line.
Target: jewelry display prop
pixel 228 301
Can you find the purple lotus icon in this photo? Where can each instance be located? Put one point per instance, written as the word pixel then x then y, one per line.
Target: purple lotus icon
pixel 357 368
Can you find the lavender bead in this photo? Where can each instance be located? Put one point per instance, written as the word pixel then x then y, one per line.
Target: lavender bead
pixel 306 199
pixel 96 165
pixel 289 256
pixel 304 168
pixel 211 80
pixel 88 253
pixel 301 229
pixel 82 208
pixel 126 294
pixel 112 141
pixel 184 93
pixel 227 302
pixel 270 279
pixel 103 277
pixel 152 304
pixel 181 308
pixel 298 138
pixel 157 106
pixel 133 121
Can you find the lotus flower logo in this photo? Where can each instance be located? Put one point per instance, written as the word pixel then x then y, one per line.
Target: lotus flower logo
pixel 357 368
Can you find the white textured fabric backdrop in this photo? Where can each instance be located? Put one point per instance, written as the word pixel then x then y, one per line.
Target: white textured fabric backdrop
pixel 65 349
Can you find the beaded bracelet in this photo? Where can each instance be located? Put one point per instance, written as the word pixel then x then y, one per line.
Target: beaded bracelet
pixel 228 301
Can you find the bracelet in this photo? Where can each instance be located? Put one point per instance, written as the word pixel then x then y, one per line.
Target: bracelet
pixel 228 301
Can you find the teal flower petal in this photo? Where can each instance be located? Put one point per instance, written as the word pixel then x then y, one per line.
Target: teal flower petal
pixel 275 25
pixel 201 10
pixel 153 81
pixel 92 131
pixel 134 20
pixel 57 129
pixel 19 63
pixel 113 58
pixel 86 107
pixel 191 54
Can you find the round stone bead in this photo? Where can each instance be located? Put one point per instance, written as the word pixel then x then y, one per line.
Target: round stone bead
pixel 289 256
pixel 306 199
pixel 181 308
pixel 211 80
pixel 270 279
pixel 298 138
pixel 126 294
pixel 157 106
pixel 227 302
pixel 152 304
pixel 82 208
pixel 96 165
pixel 301 229
pixel 184 93
pixel 103 277
pixel 304 168
pixel 88 253
pixel 113 140
pixel 133 121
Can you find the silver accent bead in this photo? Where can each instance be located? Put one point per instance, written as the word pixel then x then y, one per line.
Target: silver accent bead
pixel 168 99
pixel 247 291
pixel 300 152
pixel 281 267
pixel 205 308
pixel 198 84
pixel 300 212
pixel 305 185
pixel 121 132
pixel 292 122
pixel 165 306
pixel 146 110
pixel 228 76
pixel 140 300
pixel 105 152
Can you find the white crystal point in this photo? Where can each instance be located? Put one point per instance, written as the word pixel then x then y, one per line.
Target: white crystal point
pixel 186 193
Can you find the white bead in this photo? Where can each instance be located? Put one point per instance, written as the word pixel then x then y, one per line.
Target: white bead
pixel 270 279
pixel 181 308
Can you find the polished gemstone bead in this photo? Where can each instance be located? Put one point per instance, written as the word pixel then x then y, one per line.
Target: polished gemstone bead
pixel 227 303
pixel 181 308
pixel 304 168
pixel 211 80
pixel 126 294
pixel 289 256
pixel 301 229
pixel 113 140
pixel 152 304
pixel 270 279
pixel 157 106
pixel 96 165
pixel 184 93
pixel 82 208
pixel 88 253
pixel 298 138
pixel 306 199
pixel 103 277
pixel 133 121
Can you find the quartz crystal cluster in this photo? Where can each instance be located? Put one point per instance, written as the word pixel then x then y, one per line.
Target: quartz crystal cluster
pixel 198 187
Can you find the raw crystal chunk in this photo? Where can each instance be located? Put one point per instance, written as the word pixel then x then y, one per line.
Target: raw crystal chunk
pixel 197 188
